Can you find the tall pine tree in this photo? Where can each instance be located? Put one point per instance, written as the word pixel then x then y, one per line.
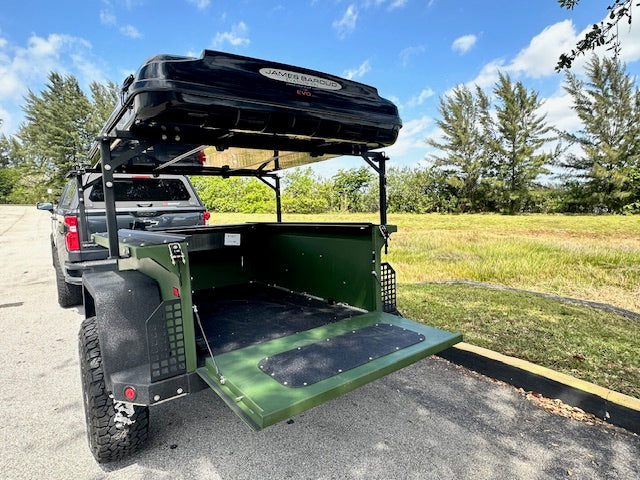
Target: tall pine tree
pixel 608 104
pixel 464 122
pixel 519 133
pixel 61 122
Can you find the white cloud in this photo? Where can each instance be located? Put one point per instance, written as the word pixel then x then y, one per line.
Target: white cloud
pixel 406 54
pixel 237 37
pixel 359 72
pixel 392 4
pixel 630 41
pixel 411 138
pixel 559 111
pixel 7 124
pixel 347 23
pixel 107 18
pixel 488 74
pixel 200 4
pixel 539 58
pixel 397 4
pixel 421 97
pixel 26 67
pixel 463 44
pixel 130 31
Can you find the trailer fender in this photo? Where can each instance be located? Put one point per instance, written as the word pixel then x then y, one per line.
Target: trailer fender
pixel 122 301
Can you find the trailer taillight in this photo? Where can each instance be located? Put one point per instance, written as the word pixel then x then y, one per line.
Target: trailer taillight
pixel 72 237
pixel 130 393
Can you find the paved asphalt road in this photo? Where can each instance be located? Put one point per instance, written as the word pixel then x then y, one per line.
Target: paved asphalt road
pixel 431 420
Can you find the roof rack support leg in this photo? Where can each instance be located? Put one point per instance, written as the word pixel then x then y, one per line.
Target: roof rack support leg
pixel 380 167
pixel 275 186
pixel 82 218
pixel 109 196
pixel 278 201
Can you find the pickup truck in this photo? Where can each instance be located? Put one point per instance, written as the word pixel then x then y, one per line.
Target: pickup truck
pixel 273 317
pixel 143 202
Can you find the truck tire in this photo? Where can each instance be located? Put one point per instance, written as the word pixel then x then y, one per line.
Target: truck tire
pixel 68 295
pixel 109 437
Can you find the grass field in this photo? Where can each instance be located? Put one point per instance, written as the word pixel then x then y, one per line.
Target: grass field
pixel 588 257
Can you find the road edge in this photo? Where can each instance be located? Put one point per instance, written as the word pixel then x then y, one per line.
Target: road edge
pixel 611 406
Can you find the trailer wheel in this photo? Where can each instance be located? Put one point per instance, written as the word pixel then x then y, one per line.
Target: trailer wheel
pixel 110 438
pixel 68 295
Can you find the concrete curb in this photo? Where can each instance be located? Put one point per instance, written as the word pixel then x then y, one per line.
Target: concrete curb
pixel 613 407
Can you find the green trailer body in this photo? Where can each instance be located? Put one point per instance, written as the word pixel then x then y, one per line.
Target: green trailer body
pixel 274 317
pixel 338 263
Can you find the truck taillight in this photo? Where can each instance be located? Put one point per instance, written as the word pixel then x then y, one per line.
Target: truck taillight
pixel 206 216
pixel 72 237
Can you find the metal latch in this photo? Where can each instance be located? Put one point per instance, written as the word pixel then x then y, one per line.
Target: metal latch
pixel 385 235
pixel 175 252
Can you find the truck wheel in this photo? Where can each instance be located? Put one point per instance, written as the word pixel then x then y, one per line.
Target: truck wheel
pixel 113 429
pixel 68 295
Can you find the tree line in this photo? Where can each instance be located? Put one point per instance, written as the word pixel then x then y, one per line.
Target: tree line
pixel 496 153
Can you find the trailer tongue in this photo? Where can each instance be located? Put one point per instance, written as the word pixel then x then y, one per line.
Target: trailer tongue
pixel 276 318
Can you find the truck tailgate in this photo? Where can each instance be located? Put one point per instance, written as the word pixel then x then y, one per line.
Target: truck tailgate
pixel 274 380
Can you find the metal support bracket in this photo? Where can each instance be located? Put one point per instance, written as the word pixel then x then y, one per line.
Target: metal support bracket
pixel 176 253
pixel 377 161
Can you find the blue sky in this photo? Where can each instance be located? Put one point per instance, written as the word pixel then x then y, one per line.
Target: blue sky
pixel 413 51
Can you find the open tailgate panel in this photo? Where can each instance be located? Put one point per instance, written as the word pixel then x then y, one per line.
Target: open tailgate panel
pixel 275 380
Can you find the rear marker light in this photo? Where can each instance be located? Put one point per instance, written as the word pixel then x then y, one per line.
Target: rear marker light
pixel 176 292
pixel 130 393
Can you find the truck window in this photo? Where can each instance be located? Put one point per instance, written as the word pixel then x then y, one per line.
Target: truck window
pixel 68 194
pixel 144 190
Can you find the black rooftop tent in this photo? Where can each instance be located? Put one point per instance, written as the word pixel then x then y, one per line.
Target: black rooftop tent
pixel 228 115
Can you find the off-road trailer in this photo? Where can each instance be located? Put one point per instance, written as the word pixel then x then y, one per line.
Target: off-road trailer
pixel 277 317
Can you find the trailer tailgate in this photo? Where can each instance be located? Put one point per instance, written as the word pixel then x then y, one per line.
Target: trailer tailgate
pixel 275 380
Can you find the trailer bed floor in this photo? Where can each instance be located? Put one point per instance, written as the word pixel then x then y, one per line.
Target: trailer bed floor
pixel 241 316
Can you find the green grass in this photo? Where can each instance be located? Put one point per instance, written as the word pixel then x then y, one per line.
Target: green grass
pixel 590 344
pixel 588 257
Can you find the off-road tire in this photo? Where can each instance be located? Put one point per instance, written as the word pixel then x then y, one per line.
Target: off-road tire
pixel 68 295
pixel 108 439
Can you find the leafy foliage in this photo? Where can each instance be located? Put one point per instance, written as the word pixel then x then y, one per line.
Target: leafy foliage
pixel 608 104
pixel 235 194
pixel 518 134
pixel 491 162
pixel 60 124
pixel 305 192
pixel 601 33
pixel 55 133
pixel 465 117
pixel 350 187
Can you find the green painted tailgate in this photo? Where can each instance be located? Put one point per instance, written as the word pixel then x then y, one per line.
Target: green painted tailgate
pixel 261 400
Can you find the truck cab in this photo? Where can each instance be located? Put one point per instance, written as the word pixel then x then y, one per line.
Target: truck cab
pixel 142 202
